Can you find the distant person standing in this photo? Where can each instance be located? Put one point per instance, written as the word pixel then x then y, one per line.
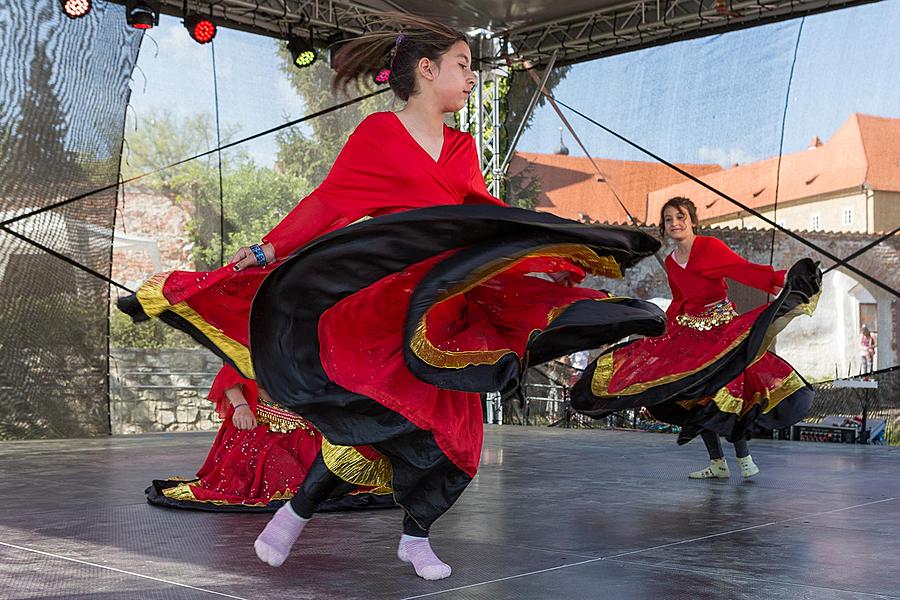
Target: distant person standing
pixel 867 349
pixel 579 361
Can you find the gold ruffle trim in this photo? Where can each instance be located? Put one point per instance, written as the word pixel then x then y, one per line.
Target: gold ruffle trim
pixel 350 465
pixel 605 370
pixel 431 355
pixel 183 492
pixel 769 398
pixel 454 359
pixel 280 419
pixel 714 316
pixel 154 303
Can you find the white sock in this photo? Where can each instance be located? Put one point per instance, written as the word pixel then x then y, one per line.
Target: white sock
pixel 417 550
pixel 274 543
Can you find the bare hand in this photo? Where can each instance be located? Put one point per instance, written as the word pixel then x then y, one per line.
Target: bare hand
pixel 243 417
pixel 563 278
pixel 245 258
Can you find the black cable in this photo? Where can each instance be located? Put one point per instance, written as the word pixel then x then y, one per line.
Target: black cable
pixel 65 258
pixel 862 250
pixel 787 101
pixel 4 226
pixel 212 48
pixel 737 203
pixel 314 115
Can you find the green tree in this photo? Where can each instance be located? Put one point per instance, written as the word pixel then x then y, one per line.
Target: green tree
pixel 309 150
pixel 161 140
pixel 523 189
pixel 37 155
pixel 254 198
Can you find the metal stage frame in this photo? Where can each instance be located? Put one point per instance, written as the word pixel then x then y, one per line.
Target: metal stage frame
pixel 526 34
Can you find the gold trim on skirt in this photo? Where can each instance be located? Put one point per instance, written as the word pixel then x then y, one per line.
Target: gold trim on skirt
pixel 350 465
pixel 153 301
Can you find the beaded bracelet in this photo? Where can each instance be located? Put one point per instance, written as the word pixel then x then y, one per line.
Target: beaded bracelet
pixel 259 254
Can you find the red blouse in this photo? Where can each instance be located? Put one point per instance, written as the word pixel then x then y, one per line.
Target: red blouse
pixel 383 170
pixel 702 281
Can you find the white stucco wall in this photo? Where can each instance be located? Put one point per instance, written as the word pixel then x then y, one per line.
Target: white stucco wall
pixel 828 341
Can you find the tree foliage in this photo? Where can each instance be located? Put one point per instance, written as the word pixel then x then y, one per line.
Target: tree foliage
pixel 254 198
pixel 309 150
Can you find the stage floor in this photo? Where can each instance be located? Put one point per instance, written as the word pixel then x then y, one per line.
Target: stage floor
pixel 552 514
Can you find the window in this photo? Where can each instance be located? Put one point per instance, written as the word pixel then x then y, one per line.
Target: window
pixel 847 216
pixel 816 223
pixel 868 316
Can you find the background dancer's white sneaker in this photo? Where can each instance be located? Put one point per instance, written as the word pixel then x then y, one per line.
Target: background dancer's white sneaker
pixel 717 469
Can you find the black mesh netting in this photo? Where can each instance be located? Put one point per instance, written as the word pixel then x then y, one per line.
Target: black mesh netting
pixel 881 405
pixel 839 407
pixel 63 95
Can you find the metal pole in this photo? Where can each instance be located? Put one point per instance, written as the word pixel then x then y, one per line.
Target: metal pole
pixel 495 139
pixel 479 117
pixel 528 111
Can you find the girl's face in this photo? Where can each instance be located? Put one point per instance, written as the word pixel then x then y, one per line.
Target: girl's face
pixel 678 225
pixel 452 78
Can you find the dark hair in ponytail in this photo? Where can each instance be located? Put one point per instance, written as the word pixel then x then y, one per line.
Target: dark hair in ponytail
pixel 408 40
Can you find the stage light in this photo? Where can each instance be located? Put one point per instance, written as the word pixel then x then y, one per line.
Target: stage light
pixel 302 51
pixel 141 15
pixel 202 29
pixel 75 9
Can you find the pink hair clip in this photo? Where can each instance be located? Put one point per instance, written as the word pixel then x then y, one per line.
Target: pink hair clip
pixel 383 76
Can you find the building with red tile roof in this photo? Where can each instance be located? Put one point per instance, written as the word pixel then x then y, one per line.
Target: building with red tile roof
pixel 570 186
pixel 849 183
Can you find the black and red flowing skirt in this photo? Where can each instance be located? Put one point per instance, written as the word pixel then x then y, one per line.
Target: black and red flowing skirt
pixel 710 370
pixel 381 334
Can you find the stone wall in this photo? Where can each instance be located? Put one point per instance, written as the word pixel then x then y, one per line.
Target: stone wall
pixel 161 390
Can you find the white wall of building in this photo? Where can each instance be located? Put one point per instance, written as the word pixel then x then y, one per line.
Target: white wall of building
pixel 828 342
pixel 844 211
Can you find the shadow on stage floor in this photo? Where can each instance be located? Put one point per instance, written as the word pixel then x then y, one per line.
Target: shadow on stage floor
pixel 552 514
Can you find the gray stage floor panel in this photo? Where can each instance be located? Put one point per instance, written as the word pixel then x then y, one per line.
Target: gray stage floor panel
pixel 551 514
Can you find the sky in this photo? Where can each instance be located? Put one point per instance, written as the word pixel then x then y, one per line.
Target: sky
pixel 175 73
pixel 717 99
pixel 721 98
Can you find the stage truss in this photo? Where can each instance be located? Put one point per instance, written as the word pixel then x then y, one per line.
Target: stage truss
pixel 524 34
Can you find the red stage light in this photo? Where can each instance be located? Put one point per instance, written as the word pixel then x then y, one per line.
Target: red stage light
pixel 202 29
pixel 141 14
pixel 75 9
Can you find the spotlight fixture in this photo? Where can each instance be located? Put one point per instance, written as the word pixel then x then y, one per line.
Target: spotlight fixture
pixel 141 15
pixel 302 51
pixel 202 29
pixel 75 9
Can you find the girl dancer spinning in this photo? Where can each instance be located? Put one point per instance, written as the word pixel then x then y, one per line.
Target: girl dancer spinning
pixel 381 332
pixel 710 373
